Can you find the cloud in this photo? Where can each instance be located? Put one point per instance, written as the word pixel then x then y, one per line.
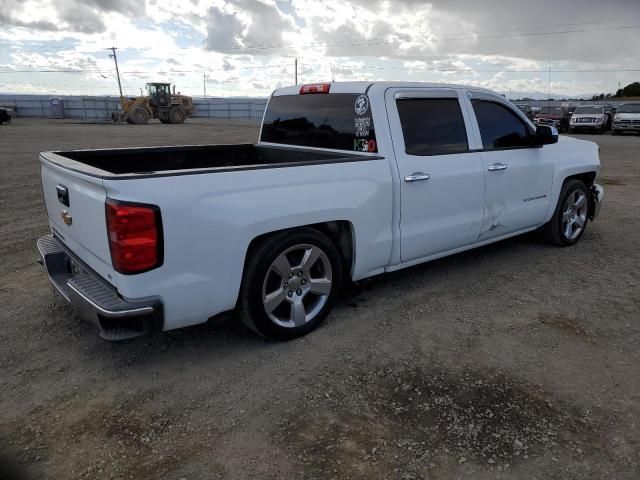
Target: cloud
pixel 248 25
pixel 83 16
pixel 233 40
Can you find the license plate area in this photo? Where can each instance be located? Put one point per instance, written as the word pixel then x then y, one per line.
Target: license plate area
pixel 76 268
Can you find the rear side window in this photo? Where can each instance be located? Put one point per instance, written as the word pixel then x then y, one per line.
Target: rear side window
pixel 432 126
pixel 341 121
pixel 499 126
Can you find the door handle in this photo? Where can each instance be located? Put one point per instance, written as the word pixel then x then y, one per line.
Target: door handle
pixel 497 166
pixel 417 177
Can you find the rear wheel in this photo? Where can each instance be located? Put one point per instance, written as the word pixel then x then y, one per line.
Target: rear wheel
pixel 569 220
pixel 139 115
pixel 290 284
pixel 177 115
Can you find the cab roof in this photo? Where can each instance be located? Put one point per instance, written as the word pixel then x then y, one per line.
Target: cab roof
pixel 362 87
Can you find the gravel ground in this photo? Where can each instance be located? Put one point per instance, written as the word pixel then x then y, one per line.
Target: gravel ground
pixel 516 360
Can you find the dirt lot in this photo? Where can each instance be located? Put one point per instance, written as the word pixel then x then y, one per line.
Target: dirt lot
pixel 517 360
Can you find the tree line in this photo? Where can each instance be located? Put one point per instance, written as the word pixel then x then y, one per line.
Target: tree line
pixel 631 90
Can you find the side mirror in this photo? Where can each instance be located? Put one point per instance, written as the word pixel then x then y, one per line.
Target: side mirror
pixel 545 135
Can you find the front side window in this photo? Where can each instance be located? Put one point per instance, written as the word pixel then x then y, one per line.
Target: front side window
pixel 432 126
pixel 499 126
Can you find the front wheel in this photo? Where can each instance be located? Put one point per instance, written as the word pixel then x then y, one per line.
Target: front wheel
pixel 139 115
pixel 569 220
pixel 290 284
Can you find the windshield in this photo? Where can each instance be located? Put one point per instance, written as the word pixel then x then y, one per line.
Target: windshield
pixel 551 110
pixel 629 108
pixel 583 110
pixel 338 120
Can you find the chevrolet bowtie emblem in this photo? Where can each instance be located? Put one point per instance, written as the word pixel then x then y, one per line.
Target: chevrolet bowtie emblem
pixel 66 218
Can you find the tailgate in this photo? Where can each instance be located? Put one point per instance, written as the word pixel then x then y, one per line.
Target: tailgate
pixel 75 205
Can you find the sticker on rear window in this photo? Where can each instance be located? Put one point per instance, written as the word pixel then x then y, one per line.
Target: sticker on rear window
pixel 363 126
pixel 361 105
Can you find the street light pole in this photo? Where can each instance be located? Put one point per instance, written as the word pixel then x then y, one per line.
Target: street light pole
pixel 115 59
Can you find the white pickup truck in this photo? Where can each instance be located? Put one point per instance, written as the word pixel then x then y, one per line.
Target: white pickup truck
pixel 347 180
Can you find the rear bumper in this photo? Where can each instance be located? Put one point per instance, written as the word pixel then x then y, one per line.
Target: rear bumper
pixel 94 299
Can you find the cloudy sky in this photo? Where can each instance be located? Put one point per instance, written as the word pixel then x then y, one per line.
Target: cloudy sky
pixel 248 47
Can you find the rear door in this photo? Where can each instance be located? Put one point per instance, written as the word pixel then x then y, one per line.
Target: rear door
pixel 518 176
pixel 441 181
pixel 76 209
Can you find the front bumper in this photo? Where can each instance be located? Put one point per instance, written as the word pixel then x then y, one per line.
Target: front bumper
pixel 548 121
pixel 94 299
pixel 586 126
pixel 635 127
pixel 596 194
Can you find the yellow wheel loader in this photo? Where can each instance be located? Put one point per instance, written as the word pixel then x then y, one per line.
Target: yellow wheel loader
pixel 159 103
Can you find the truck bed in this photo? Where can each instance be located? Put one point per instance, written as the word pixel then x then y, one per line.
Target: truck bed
pixel 137 162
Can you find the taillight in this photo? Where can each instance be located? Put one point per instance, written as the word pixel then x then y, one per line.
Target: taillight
pixel 135 236
pixel 315 88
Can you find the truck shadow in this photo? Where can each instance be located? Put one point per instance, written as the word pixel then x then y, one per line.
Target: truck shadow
pixel 225 337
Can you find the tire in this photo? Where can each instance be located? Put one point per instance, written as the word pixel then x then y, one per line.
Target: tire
pixel 571 130
pixel 280 296
pixel 139 115
pixel 569 221
pixel 177 115
pixel 615 132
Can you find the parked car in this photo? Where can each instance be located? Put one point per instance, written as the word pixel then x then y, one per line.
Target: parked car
pixel 5 115
pixel 553 116
pixel 526 109
pixel 627 118
pixel 590 118
pixel 165 237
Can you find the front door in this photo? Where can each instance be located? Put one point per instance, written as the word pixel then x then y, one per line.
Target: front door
pixel 441 181
pixel 518 176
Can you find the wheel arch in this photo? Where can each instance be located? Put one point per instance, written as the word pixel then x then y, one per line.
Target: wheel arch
pixel 586 177
pixel 340 232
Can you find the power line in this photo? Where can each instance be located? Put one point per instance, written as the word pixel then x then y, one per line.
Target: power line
pixel 338 66
pixel 200 70
pixel 472 36
pixel 469 35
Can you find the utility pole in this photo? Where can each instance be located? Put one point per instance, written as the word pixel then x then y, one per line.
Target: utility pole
pixel 295 64
pixel 115 59
pixel 204 83
pixel 549 91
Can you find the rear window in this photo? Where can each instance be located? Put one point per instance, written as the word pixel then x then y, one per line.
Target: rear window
pixel 340 121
